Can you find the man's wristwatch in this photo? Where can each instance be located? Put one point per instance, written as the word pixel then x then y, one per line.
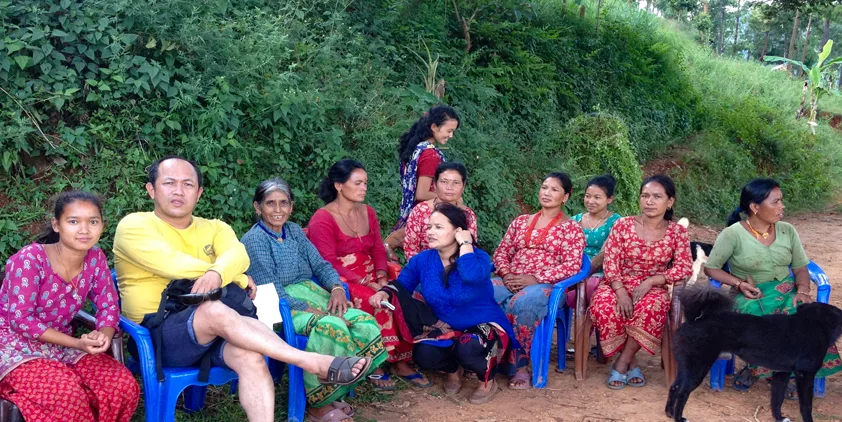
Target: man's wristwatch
pixel 466 242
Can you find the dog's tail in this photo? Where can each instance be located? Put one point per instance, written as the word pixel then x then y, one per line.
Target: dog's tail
pixel 700 300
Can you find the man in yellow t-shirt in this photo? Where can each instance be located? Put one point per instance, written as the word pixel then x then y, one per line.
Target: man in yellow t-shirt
pixel 152 248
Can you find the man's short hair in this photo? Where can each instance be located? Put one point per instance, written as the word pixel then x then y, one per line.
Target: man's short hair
pixel 152 177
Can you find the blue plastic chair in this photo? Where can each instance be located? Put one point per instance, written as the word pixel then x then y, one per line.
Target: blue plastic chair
pixel 561 318
pixel 726 366
pixel 297 393
pixel 160 398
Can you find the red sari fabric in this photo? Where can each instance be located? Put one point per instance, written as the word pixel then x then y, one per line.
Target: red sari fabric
pixel 97 388
pixel 354 259
pixel 630 260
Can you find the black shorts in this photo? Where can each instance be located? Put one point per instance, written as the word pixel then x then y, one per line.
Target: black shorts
pixel 180 347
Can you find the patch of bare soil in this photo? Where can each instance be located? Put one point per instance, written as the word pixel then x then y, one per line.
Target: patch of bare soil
pixel 568 400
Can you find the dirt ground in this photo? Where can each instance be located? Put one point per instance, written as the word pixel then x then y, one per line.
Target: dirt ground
pixel 568 400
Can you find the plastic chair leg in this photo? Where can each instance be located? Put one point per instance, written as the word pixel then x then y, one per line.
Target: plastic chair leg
pixel 540 354
pixel 717 374
pixel 194 398
pixel 297 395
pixel 169 398
pixel 818 387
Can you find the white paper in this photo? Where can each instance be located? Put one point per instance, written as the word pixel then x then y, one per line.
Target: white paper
pixel 268 305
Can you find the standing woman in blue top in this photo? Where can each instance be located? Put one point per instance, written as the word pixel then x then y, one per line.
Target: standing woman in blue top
pixel 454 276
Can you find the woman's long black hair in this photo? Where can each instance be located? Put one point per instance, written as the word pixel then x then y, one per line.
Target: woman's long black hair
pixel 422 130
pixel 754 192
pixel 459 219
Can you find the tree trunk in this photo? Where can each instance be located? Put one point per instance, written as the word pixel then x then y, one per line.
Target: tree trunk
pixel 598 9
pixel 765 46
pixel 719 41
pixel 806 40
pixel 825 34
pixel 737 25
pixel 791 51
pixel 705 7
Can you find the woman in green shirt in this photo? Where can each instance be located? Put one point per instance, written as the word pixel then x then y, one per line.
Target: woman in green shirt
pixel 596 224
pixel 760 251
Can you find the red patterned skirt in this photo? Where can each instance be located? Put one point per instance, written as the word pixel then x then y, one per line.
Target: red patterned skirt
pixel 645 326
pixel 97 388
pixel 398 349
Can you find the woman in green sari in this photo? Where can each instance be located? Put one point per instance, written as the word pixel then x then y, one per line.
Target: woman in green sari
pixel 760 250
pixel 281 255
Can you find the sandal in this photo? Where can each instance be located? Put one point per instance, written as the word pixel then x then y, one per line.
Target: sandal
pixel 340 373
pixel 632 374
pixel 616 376
pixel 453 387
pixel 791 390
pixel 334 415
pixel 743 380
pixel 344 407
pixel 381 377
pixel 519 376
pixel 484 397
pixel 422 382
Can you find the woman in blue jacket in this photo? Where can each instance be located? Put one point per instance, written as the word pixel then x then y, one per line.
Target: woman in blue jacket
pixel 461 326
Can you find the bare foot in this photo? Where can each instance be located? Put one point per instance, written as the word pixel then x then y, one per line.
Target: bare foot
pixel 319 412
pixel 453 382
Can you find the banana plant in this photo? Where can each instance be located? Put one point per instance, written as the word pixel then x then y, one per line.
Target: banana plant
pixel 819 82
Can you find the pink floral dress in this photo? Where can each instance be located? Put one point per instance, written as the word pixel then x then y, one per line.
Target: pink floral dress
pixel 33 298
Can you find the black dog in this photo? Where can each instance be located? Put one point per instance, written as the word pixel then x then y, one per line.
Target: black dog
pixel 785 344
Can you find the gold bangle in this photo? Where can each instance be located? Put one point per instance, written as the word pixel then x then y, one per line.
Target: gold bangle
pixel 336 287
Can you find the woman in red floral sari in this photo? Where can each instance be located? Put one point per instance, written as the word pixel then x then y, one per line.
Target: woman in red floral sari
pixel 537 251
pixel 347 234
pixel 643 254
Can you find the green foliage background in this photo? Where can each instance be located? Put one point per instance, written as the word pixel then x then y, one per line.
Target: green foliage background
pixel 94 91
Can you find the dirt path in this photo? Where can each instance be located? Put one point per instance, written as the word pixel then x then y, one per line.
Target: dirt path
pixel 568 400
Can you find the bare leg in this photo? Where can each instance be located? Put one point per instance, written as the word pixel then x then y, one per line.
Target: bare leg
pixel 214 319
pixel 257 392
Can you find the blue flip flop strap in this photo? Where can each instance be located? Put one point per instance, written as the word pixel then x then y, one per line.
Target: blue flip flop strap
pixel 379 377
pixel 414 376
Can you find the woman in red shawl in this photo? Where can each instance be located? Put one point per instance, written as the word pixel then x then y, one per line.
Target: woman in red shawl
pixel 347 234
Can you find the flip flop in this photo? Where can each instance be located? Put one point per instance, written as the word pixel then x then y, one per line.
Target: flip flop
pixel 340 373
pixel 635 373
pixel 484 397
pixel 743 380
pixel 417 376
pixel 381 377
pixel 616 376
pixel 344 407
pixel 334 415
pixel 519 376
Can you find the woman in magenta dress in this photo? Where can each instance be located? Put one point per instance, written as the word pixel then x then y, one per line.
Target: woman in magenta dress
pixel 450 180
pixel 643 254
pixel 537 251
pixel 347 234
pixel 45 371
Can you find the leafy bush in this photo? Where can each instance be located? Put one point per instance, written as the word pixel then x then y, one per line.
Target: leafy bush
pixel 94 91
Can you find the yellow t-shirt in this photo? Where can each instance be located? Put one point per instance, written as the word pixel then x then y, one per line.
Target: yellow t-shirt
pixel 149 252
